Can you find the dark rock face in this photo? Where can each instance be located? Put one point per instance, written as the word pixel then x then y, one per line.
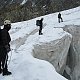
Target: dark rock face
pixel 14 11
pixel 58 4
pixel 7 2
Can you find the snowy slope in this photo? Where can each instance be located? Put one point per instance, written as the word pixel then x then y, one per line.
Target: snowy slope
pixel 23 2
pixel 24 35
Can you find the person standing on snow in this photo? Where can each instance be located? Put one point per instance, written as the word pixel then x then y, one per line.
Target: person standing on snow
pixel 4 47
pixel 60 18
pixel 41 26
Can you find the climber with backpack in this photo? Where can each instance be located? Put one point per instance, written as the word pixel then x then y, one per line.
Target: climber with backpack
pixel 5 47
pixel 40 24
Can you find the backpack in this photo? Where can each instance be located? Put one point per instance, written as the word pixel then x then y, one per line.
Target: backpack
pixel 38 22
pixel 59 15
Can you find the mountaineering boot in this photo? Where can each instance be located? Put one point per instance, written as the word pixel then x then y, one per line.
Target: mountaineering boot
pixel 0 71
pixel 6 72
pixel 41 34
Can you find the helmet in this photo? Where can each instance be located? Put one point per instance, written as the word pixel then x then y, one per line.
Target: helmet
pixel 7 22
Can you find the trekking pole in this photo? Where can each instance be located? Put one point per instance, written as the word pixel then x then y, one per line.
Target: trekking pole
pixel 5 63
pixel 16 50
pixel 10 58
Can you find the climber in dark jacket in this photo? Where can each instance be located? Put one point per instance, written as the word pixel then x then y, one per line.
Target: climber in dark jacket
pixel 5 47
pixel 41 26
pixel 60 18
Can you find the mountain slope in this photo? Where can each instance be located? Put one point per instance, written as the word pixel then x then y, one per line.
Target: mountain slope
pixel 22 10
pixel 22 64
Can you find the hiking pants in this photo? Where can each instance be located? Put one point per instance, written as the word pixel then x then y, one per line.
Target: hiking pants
pixel 40 30
pixel 3 58
pixel 60 19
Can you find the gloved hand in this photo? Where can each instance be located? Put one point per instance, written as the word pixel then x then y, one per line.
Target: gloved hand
pixel 7 48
